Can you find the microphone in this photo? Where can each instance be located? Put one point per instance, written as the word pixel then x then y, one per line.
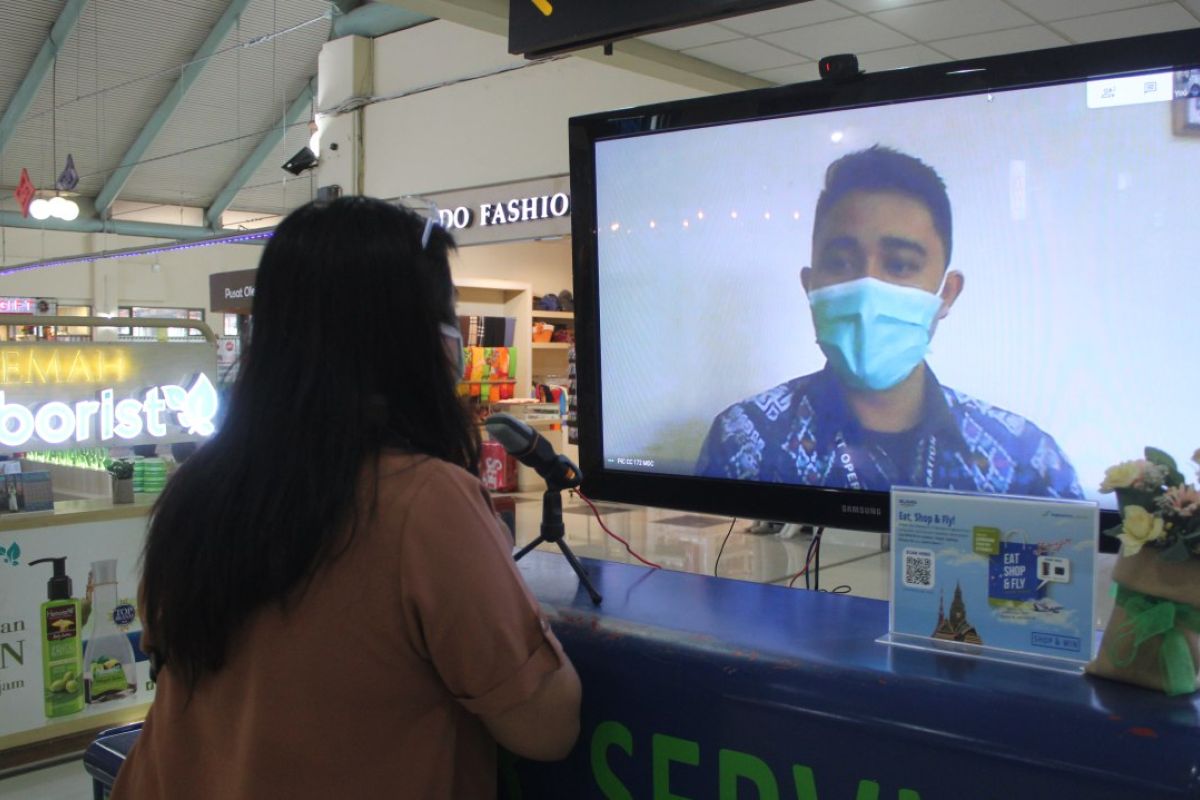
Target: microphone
pixel 531 449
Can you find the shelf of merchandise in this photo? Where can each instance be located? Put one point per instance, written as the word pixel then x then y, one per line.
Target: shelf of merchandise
pixel 551 315
pixel 552 345
pixel 500 298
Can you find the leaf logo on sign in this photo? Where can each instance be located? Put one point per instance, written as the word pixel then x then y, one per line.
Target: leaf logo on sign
pixel 12 555
pixel 197 406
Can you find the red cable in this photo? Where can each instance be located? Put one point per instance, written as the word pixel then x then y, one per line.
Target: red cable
pixel 596 511
pixel 812 551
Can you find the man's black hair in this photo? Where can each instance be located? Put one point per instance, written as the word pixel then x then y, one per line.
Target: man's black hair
pixel 882 169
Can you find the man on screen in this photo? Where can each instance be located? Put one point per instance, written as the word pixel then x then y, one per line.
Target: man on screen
pixel 876 416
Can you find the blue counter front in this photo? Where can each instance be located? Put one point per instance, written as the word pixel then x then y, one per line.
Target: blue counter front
pixel 697 687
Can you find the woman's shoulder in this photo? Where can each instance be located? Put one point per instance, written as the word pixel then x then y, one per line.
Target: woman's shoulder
pixel 427 477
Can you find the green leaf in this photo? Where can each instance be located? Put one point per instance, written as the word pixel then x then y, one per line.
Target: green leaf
pixel 14 552
pixel 1156 456
pixel 1114 530
pixel 1176 552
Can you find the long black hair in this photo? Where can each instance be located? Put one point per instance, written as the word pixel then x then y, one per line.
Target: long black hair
pixel 345 357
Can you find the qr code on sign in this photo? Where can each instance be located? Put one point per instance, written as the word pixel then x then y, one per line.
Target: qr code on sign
pixel 918 568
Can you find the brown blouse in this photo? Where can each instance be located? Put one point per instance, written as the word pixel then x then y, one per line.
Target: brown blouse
pixel 370 683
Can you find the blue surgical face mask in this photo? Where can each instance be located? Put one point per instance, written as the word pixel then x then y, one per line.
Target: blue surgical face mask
pixel 453 337
pixel 874 333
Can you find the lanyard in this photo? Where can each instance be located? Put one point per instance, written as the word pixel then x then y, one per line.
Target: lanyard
pixel 846 461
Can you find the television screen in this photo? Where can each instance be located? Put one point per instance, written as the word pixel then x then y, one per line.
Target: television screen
pixel 981 276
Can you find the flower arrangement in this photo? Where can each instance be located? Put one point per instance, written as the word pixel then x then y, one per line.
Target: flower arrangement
pixel 1158 507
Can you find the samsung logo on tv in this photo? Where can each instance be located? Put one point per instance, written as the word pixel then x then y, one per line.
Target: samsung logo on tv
pixel 868 510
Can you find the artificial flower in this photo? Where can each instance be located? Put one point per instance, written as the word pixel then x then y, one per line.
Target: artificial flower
pixel 1123 475
pixel 1140 528
pixel 1183 501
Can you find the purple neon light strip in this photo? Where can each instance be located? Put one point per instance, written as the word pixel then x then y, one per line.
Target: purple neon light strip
pixel 149 251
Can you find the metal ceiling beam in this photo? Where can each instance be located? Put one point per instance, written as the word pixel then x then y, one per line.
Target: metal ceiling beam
pixel 42 64
pixel 157 230
pixel 299 106
pixel 158 120
pixel 375 19
pixel 634 55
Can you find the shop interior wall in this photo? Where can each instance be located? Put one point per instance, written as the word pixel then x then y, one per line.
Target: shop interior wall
pixel 544 264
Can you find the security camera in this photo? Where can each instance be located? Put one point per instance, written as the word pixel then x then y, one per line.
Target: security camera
pixel 305 159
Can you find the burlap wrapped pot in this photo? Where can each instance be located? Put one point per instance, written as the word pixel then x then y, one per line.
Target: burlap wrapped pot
pixel 1152 636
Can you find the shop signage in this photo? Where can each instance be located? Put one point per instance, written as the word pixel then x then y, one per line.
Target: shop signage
pixel 231 292
pixel 89 395
pixel 542 27
pixel 18 305
pixel 504 212
pixel 532 209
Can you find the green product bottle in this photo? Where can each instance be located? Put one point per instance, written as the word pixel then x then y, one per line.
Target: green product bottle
pixel 62 643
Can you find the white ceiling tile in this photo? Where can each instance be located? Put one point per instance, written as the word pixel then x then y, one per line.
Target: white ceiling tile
pixel 779 19
pixel 1051 10
pixel 1133 22
pixel 869 6
pixel 948 18
pixel 1014 40
pixel 745 55
pixel 797 74
pixel 854 35
pixel 1192 6
pixel 913 56
pixel 692 36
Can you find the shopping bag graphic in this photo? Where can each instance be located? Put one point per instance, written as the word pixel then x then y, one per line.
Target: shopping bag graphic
pixel 1012 573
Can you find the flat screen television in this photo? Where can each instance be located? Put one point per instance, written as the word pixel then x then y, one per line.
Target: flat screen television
pixel 1065 323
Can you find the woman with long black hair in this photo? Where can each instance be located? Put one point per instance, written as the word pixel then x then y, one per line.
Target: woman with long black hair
pixel 331 603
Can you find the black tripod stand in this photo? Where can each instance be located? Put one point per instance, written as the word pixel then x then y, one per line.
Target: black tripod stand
pixel 553 531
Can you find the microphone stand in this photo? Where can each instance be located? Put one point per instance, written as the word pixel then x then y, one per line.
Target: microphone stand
pixel 553 531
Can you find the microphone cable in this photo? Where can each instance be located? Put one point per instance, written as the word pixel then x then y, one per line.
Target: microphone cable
pixel 724 541
pixel 596 511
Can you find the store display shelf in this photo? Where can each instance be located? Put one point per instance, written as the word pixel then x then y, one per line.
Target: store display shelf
pixel 552 345
pixel 509 380
pixel 567 315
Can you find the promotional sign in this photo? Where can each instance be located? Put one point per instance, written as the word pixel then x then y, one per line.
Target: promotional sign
pixel 68 624
pixel 1004 577
pixel 56 395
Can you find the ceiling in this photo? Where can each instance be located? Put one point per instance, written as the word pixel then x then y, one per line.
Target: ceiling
pixel 122 59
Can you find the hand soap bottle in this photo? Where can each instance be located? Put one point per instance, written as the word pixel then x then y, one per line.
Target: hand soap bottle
pixel 108 661
pixel 62 646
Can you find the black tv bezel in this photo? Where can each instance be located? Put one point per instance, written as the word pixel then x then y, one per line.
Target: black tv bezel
pixel 838 508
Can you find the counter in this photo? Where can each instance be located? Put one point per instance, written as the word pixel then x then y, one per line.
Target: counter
pixel 698 687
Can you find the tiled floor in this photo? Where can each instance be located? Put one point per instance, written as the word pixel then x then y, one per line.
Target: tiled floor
pixel 690 543
pixel 66 781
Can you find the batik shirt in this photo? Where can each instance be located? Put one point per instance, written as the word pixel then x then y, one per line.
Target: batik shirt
pixel 804 432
